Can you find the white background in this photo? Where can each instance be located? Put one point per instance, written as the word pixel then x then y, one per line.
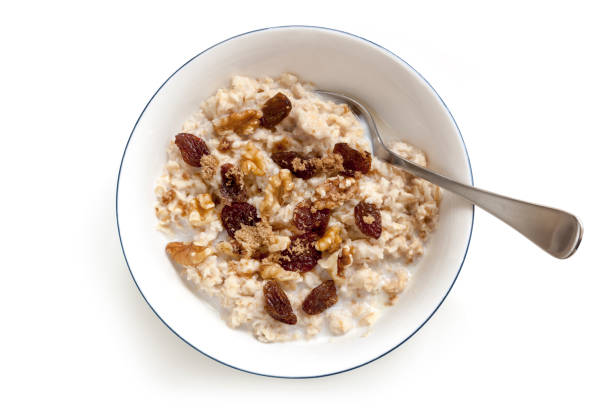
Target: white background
pixel 529 85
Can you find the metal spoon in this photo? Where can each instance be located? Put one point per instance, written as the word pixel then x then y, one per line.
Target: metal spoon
pixel 556 232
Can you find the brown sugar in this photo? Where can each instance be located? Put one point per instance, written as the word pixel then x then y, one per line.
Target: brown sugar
pixel 255 240
pixel 209 166
pixel 368 219
pixel 334 192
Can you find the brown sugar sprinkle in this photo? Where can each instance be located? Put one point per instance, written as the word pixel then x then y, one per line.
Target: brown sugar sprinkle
pixel 225 145
pixel 307 167
pixel 168 196
pixel 242 123
pixel 232 182
pixel 209 167
pixel 368 219
pixel 301 254
pixel 333 192
pixel 255 240
pixel 330 164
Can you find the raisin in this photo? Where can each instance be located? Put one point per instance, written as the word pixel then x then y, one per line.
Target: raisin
pixel 236 214
pixel 232 182
pixel 301 255
pixel 192 148
pixel 299 165
pixel 320 298
pixel 274 110
pixel 353 160
pixel 277 304
pixel 367 218
pixel 306 220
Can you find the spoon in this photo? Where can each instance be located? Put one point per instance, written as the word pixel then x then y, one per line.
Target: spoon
pixel 556 232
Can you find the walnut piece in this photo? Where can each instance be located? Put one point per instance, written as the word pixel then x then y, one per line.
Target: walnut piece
pixel 274 271
pixel 345 259
pixel 201 210
pixel 331 240
pixel 225 145
pixel 253 161
pixel 278 189
pixel 333 192
pixel 187 253
pixel 227 248
pixel 242 123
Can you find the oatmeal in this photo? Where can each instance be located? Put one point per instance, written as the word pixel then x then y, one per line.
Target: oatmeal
pixel 289 224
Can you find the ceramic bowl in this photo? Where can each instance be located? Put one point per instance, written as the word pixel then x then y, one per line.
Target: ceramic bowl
pixel 407 108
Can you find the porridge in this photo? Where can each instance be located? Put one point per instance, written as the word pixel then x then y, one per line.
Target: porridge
pixel 288 224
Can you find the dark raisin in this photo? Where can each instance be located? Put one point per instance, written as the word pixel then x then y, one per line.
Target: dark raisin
pixel 299 165
pixel 306 220
pixel 274 110
pixel 320 298
pixel 301 255
pixel 277 304
pixel 236 214
pixel 353 160
pixel 192 148
pixel 367 218
pixel 232 182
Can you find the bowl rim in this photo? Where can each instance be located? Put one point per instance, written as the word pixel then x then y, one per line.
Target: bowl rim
pixel 336 31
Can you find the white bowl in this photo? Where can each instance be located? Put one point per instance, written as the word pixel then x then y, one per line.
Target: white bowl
pixel 332 60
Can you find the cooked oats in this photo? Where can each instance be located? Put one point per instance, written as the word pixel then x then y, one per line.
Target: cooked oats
pixel 369 274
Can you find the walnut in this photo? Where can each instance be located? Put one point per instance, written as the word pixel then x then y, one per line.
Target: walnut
pixel 345 259
pixel 276 191
pixel 200 210
pixel 274 271
pixel 227 249
pixel 278 243
pixel 333 192
pixel 187 253
pixel 209 165
pixel 331 240
pixel 242 123
pixel 253 160
pixel 225 145
pixel 330 264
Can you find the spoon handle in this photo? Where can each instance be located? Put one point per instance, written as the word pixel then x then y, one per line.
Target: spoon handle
pixel 555 231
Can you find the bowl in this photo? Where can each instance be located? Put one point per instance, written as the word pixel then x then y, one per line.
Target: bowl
pixel 407 108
